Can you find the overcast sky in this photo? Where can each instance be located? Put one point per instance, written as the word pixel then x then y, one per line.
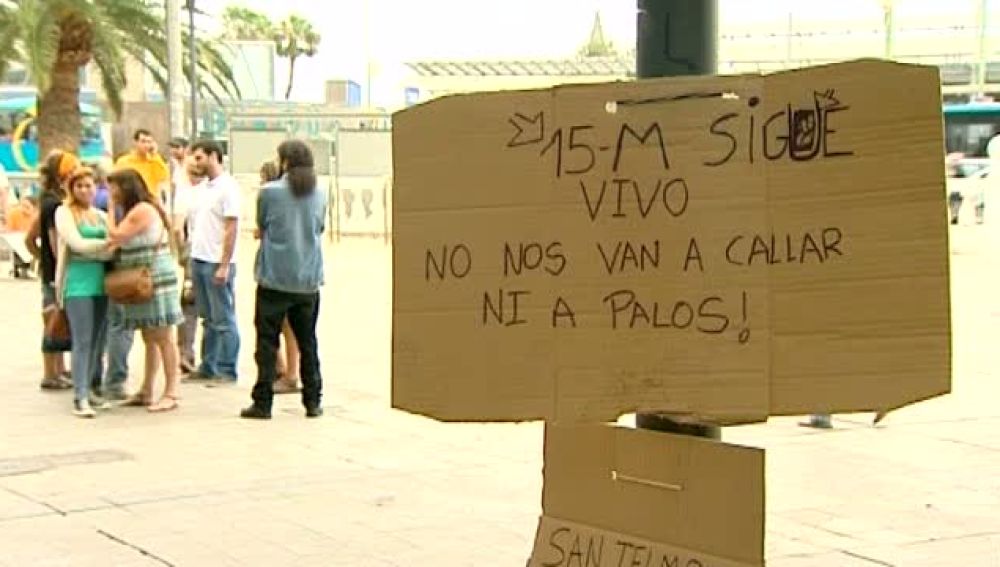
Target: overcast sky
pixel 413 30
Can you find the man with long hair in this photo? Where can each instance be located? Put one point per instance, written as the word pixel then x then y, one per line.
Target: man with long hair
pixel 291 215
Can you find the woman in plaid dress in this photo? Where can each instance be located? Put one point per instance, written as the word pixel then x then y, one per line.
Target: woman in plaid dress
pixel 142 241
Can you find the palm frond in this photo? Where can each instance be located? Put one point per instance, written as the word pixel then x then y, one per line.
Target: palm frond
pixel 10 33
pixel 40 41
pixel 110 61
pixel 212 61
pixel 144 34
pixel 296 36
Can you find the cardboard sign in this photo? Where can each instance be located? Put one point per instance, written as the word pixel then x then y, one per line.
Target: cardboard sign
pixel 726 247
pixel 616 497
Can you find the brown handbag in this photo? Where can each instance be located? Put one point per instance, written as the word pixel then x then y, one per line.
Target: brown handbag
pixel 129 286
pixel 56 325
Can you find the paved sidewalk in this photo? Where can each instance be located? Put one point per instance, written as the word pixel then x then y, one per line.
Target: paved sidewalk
pixel 369 486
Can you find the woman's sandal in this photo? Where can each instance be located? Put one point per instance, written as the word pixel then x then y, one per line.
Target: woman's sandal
pixel 166 403
pixel 136 401
pixel 56 383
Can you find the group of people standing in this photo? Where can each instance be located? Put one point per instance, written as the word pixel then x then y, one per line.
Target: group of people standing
pixel 180 225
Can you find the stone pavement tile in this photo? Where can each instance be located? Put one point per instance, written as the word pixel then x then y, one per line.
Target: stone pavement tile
pixel 969 550
pixel 57 540
pixel 14 506
pixel 829 559
pixel 352 559
pixel 778 545
pixel 981 550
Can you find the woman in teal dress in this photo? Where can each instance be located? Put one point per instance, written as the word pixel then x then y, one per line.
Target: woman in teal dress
pixel 82 250
pixel 141 239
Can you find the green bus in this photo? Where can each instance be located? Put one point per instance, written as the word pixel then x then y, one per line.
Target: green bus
pixel 968 128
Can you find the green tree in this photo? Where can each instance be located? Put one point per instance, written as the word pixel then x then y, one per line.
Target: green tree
pixel 294 38
pixel 56 39
pixel 244 24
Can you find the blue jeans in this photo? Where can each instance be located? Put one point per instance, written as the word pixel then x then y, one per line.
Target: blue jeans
pixel 220 343
pixel 119 344
pixel 88 326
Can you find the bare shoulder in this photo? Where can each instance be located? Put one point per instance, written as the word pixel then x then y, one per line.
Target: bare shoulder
pixel 143 212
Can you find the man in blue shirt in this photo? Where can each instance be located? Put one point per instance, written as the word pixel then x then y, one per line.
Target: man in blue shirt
pixel 291 215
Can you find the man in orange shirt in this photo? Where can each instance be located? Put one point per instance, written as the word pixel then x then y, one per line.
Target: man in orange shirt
pixel 151 167
pixel 20 217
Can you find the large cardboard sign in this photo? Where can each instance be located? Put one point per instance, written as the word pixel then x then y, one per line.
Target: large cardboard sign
pixel 615 497
pixel 725 247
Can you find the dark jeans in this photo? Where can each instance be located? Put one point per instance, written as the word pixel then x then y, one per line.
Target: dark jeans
pixel 270 309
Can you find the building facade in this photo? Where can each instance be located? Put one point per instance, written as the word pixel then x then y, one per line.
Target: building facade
pixel 962 37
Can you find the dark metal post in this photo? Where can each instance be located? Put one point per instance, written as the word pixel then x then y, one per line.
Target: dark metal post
pixel 677 37
pixel 193 53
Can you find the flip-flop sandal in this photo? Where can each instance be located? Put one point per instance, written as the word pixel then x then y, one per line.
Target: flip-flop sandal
pixel 171 405
pixel 135 401
pixel 55 383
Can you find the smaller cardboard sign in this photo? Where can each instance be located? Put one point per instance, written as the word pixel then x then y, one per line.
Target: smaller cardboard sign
pixel 617 497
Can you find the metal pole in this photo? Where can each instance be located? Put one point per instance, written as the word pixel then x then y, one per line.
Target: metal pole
pixel 175 69
pixel 677 37
pixel 193 69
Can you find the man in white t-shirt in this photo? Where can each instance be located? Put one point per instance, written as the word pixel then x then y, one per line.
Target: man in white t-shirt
pixel 214 225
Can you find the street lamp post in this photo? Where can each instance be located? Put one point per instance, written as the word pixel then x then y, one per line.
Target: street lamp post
pixel 175 68
pixel 193 69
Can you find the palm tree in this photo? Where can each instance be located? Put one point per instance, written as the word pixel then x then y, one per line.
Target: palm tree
pixel 295 37
pixel 56 39
pixel 244 24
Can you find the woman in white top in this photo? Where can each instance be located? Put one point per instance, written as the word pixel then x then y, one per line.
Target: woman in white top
pixel 82 231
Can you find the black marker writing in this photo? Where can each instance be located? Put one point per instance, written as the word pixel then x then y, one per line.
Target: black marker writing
pixel 562 310
pixel 627 132
pixel 787 248
pixel 503 312
pixel 670 195
pixel 458 262
pixel 693 255
pixel 531 256
pixel 638 257
pixel 798 133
